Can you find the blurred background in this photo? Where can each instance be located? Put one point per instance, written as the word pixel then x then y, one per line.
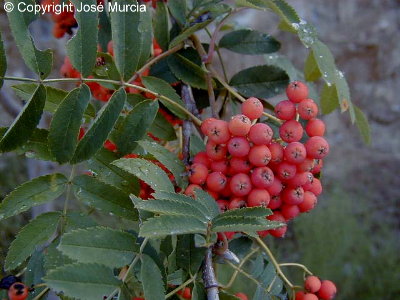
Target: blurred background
pixel 353 236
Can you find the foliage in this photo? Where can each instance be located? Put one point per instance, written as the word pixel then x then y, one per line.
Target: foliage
pixel 133 147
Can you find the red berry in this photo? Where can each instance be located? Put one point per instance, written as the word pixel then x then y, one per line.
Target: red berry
pixel 275 188
pixel 299 179
pixel 293 196
pixel 315 127
pixel 218 132
pixel 110 48
pixel 285 110
pixel 306 165
pixel 295 153
pixel 189 191
pixel 239 165
pixel 290 211
pixel 239 125
pixel 213 194
pixel 18 291
pixel 286 171
pixel 238 147
pixel 241 296
pixel 279 232
pixel 299 295
pixel 220 166
pixel 310 297
pixel 262 177
pixel 223 205
pixel 237 203
pixel 198 174
pixel 226 192
pixel 252 108
pixel 240 185
pixel 206 125
pixel 259 155
pixel 317 147
pixel 297 91
pixel 258 197
pixel 216 151
pixel 276 150
pixel 291 131
pixel 327 291
pixel 309 202
pixel 307 109
pixel 185 293
pixel 260 134
pixel 216 181
pixel 275 202
pixel 202 158
pixel 314 186
pixel 312 284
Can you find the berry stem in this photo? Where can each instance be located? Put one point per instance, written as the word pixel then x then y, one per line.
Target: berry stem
pixel 155 60
pixel 274 262
pixel 236 273
pixel 196 120
pixel 305 269
pixel 182 286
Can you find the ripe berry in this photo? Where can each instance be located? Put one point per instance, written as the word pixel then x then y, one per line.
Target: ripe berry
pixel 275 202
pixel 240 185
pixel 258 197
pixel 252 108
pixel 297 91
pixel 216 151
pixel 309 202
pixel 262 177
pixel 289 211
pixel 237 203
pixel 299 295
pixel 285 171
pixel 312 284
pixel 206 125
pixel 299 179
pixel 239 125
pixel 279 232
pixel 285 110
pixel 276 150
pixel 238 147
pixel 260 134
pixel 241 296
pixel 259 155
pixel 189 191
pixel 198 174
pixel 213 194
pixel 293 196
pixel 310 297
pixel 18 291
pixel 307 109
pixel 306 165
pixel 226 192
pixel 295 153
pixel 291 131
pixel 327 290
pixel 202 158
pixel 317 147
pixel 218 132
pixel 185 293
pixel 314 186
pixel 216 181
pixel 315 127
pixel 220 166
pixel 223 205
pixel 239 165
pixel 275 188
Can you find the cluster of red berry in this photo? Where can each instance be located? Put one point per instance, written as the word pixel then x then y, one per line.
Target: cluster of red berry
pixel 244 165
pixel 315 289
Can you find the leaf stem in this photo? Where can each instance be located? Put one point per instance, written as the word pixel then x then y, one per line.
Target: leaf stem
pixel 68 195
pixel 42 293
pixel 155 60
pixel 183 285
pixel 196 120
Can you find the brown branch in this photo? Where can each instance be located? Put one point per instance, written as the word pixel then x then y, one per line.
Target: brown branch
pixel 209 279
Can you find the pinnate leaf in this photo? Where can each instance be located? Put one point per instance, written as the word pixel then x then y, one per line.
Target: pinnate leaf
pixel 37 232
pixel 33 193
pixel 152 280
